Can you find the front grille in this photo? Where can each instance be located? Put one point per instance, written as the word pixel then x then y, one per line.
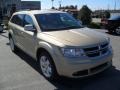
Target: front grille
pixel 104 50
pixel 93 54
pixel 96 50
pixel 104 45
pixel 91 49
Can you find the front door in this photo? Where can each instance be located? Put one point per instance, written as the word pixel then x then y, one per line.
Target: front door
pixel 29 37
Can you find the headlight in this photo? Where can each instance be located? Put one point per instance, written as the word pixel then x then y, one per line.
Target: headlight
pixel 71 52
pixel 110 47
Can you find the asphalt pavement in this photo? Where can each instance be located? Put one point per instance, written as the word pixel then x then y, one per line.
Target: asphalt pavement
pixel 19 71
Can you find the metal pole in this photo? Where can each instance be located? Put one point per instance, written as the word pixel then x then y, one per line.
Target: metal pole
pixel 52 3
pixel 115 5
pixel 60 2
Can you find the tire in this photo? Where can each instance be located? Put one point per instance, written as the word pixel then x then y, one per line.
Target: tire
pixel 1 29
pixel 110 31
pixel 117 30
pixel 12 45
pixel 47 66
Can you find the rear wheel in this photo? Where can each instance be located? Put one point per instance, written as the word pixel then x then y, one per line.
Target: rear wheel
pixel 12 45
pixel 110 31
pixel 1 28
pixel 47 66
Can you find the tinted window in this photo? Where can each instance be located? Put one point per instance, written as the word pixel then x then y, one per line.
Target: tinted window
pixel 28 20
pixel 115 18
pixel 18 19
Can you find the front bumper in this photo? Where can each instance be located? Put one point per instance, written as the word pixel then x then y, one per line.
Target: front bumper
pixel 77 67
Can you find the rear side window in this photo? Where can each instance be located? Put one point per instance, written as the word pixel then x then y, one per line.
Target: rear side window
pixel 18 19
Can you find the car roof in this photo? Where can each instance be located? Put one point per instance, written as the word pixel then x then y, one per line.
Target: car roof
pixel 37 12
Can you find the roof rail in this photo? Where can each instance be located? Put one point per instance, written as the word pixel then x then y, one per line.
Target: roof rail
pixel 24 10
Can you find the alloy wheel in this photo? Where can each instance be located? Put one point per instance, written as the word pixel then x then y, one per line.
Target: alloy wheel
pixel 45 66
pixel 12 44
pixel 118 30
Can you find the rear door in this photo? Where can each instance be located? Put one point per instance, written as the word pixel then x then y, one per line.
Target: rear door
pixel 17 28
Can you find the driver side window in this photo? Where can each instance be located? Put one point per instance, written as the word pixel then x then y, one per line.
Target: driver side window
pixel 28 20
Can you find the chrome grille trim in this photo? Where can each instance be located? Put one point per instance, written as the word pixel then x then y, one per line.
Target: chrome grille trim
pixel 96 50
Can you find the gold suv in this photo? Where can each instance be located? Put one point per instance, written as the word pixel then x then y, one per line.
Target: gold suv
pixel 59 43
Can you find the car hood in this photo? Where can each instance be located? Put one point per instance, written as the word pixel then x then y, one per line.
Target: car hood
pixel 78 37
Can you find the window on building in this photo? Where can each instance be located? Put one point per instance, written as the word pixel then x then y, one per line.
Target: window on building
pixel 4 10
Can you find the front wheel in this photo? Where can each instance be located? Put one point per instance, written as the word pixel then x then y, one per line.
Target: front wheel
pixel 117 30
pixel 47 66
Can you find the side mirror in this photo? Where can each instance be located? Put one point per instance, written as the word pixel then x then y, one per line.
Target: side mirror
pixel 29 27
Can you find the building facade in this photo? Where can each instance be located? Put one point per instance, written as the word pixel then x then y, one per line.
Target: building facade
pixel 7 7
pixel 31 5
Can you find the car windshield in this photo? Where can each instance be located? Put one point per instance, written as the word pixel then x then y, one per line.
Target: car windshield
pixel 57 21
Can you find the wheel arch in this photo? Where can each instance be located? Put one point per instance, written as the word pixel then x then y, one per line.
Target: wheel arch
pixel 40 50
pixel 46 47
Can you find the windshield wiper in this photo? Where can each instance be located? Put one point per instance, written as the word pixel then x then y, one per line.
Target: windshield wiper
pixel 72 27
pixel 68 27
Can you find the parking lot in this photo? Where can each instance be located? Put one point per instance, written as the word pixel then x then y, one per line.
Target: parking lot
pixel 18 71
